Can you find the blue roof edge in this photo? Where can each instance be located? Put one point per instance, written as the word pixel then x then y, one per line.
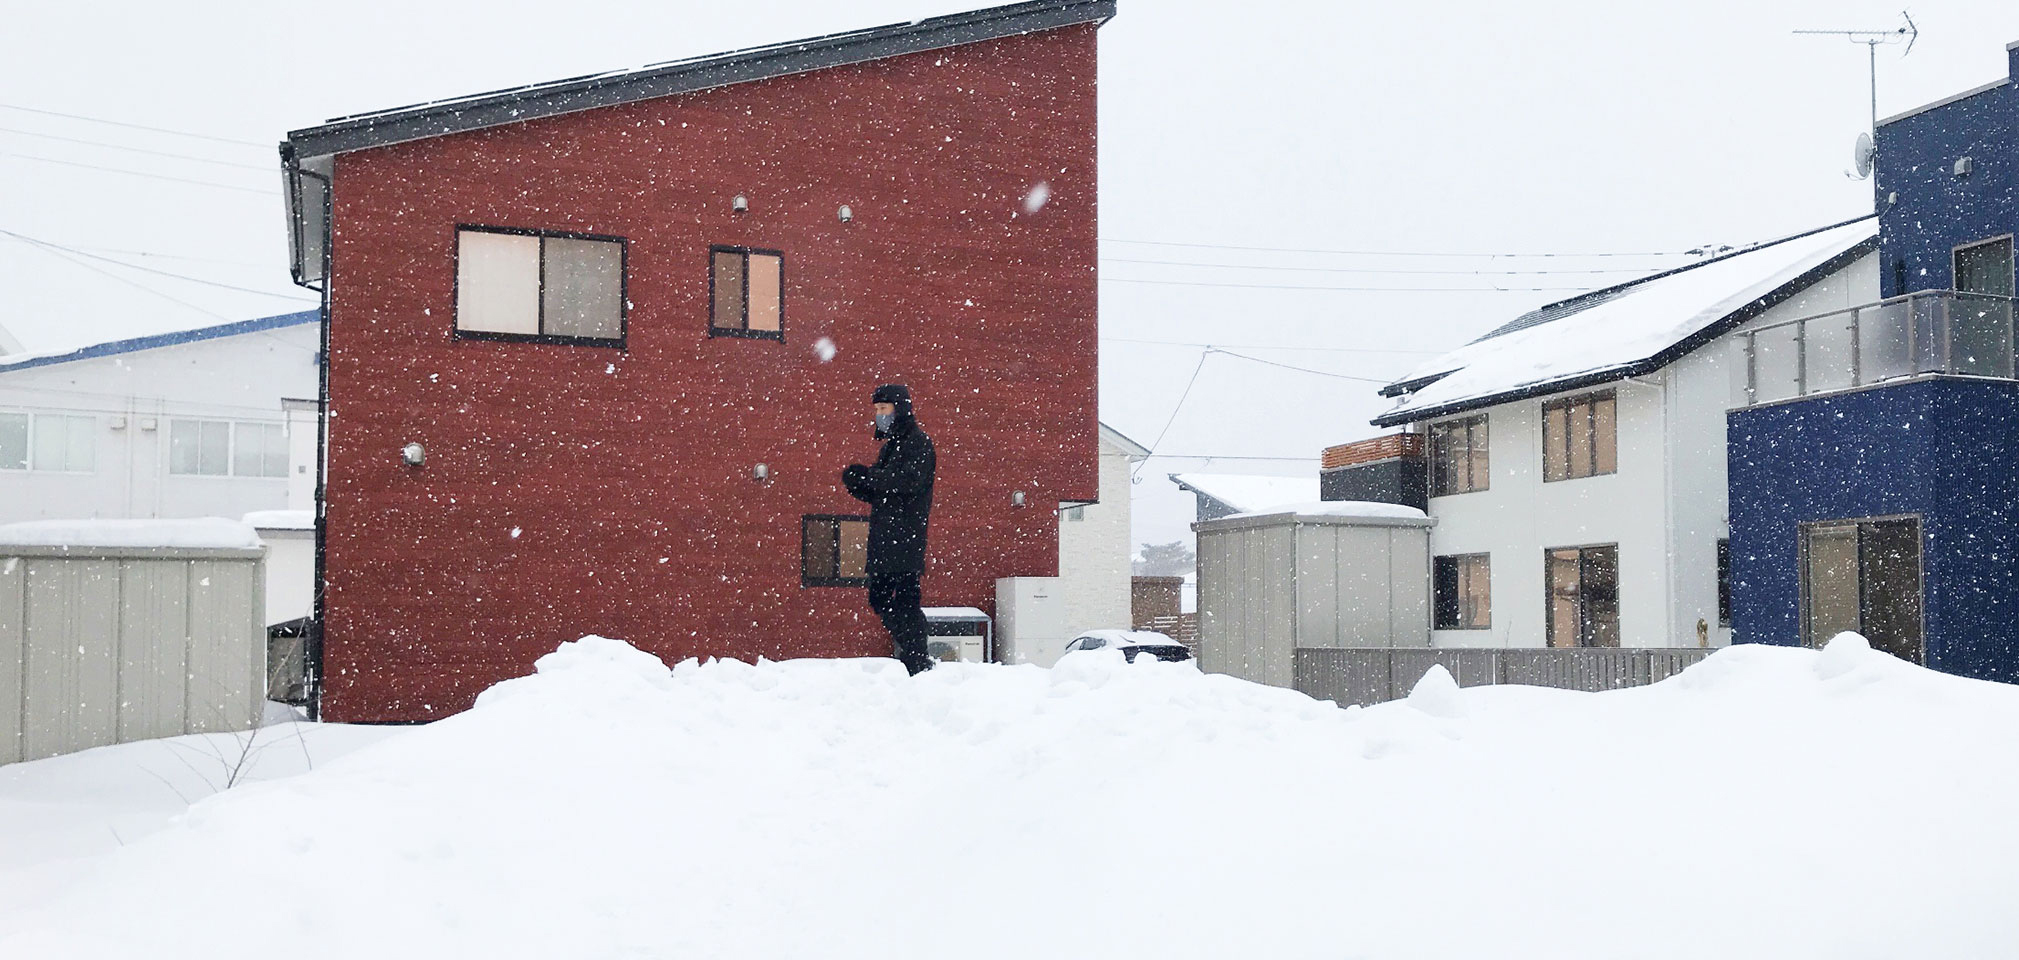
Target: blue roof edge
pixel 179 337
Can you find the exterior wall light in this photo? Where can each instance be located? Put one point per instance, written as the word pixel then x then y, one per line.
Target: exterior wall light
pixel 413 455
pixel 1017 499
pixel 741 204
pixel 845 213
pixel 760 472
pixel 1964 165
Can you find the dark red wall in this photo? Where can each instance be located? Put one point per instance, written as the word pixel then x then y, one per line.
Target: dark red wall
pixel 572 490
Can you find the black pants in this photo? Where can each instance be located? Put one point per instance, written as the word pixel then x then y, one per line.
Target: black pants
pixel 894 597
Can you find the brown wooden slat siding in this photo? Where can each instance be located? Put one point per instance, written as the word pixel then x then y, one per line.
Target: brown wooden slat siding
pixel 1386 447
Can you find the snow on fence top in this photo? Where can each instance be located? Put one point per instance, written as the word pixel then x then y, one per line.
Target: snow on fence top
pixel 1618 331
pixel 208 533
pixel 1338 509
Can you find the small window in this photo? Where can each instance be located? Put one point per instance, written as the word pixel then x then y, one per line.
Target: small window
pixel 1580 437
pixel 1463 589
pixel 746 292
pixel 220 448
pixel 1985 267
pixel 58 443
pixel 1458 456
pixel 1074 514
pixel 1583 595
pixel 542 286
pixel 834 551
pixel 13 441
pixel 1724 583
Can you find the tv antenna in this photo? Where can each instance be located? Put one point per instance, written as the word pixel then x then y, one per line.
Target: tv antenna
pixel 1864 153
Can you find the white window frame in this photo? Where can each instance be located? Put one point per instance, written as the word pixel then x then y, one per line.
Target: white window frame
pixel 31 463
pixel 231 449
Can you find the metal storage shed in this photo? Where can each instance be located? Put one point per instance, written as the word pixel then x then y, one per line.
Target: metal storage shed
pixel 1326 574
pixel 118 630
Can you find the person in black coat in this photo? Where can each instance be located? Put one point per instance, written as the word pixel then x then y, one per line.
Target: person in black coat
pixel 898 490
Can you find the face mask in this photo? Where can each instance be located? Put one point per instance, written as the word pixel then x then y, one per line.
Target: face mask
pixel 884 421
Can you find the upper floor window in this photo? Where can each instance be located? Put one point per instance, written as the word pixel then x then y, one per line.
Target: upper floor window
pixel 1458 459
pixel 542 286
pixel 1985 267
pixel 746 293
pixel 1580 436
pixel 219 448
pixel 48 441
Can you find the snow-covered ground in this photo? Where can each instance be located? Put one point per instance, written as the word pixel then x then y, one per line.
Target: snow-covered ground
pixel 1768 803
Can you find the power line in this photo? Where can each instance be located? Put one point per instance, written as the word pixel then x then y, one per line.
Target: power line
pixel 1212 456
pixel 1280 286
pixel 1321 373
pixel 1267 346
pixel 1437 273
pixel 175 256
pixel 135 126
pixel 1174 410
pixel 158 153
pixel 165 273
pixel 134 283
pixel 1397 253
pixel 138 173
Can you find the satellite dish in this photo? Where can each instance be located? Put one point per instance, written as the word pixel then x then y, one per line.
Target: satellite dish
pixel 1861 155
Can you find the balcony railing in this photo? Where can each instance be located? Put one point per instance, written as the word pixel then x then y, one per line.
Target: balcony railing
pixel 1931 332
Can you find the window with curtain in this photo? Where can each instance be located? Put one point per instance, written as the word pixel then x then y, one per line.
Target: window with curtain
pixel 746 292
pixel 543 286
pixel 833 551
pixel 1458 456
pixel 1583 595
pixel 1462 592
pixel 1580 436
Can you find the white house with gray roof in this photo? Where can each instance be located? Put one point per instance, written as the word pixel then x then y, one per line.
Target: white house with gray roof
pixel 184 424
pixel 1577 454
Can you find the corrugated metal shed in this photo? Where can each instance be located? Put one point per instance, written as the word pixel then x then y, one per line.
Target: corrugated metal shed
pixel 111 632
pixel 1332 574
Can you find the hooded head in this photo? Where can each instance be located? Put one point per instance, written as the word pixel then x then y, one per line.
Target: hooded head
pixel 899 397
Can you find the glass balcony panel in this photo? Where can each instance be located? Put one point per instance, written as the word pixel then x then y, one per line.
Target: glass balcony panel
pixel 1828 353
pixel 1980 335
pixel 1883 353
pixel 1930 327
pixel 1776 364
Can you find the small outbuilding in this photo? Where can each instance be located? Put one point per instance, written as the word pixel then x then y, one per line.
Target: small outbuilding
pixel 1324 574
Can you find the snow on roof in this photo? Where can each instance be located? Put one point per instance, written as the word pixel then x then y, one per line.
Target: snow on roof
pixel 1620 331
pixel 1360 509
pixel 1246 492
pixel 956 613
pixel 25 361
pixel 207 533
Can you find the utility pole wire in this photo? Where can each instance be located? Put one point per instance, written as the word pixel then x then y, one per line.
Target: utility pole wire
pixel 1280 286
pixel 135 126
pixel 1174 413
pixel 134 266
pixel 1378 270
pixel 135 284
pixel 264 168
pixel 139 173
pixel 1398 253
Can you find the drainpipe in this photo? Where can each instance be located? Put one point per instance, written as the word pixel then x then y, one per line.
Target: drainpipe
pixel 312 641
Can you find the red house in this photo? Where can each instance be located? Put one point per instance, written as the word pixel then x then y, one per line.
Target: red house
pixel 598 349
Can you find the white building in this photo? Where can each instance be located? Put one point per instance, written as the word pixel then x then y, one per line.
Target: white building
pixel 185 424
pixel 1095 546
pixel 1577 453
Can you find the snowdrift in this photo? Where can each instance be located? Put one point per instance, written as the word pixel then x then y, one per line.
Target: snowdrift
pixel 1768 803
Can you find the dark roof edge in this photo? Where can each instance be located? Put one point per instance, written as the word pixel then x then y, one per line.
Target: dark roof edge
pixel 135 344
pixel 515 105
pixel 1671 354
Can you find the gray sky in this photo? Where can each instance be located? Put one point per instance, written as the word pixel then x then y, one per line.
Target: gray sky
pixel 1458 128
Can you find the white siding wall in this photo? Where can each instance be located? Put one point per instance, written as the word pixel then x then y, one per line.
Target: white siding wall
pixel 1094 552
pixel 1666 507
pixel 240 379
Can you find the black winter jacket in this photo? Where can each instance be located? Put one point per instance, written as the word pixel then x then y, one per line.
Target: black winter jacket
pixel 898 490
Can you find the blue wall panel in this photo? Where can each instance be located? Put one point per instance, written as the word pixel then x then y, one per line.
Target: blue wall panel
pixel 1946 449
pixel 1934 211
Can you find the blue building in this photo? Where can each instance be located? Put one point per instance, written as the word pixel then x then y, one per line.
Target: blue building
pixel 1874 464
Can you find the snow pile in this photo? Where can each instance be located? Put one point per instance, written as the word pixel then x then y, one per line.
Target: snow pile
pixel 280 519
pixel 1767 803
pixel 207 533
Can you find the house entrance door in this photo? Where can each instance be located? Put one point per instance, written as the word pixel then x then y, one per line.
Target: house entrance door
pixel 1864 576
